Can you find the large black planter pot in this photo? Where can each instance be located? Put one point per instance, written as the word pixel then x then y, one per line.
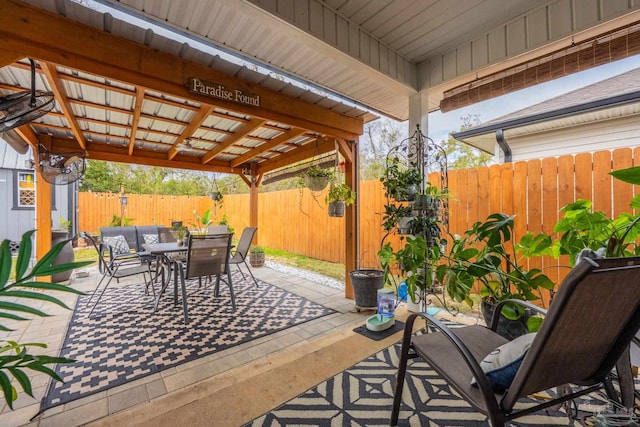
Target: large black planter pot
pixel 365 287
pixel 510 329
pixel 65 256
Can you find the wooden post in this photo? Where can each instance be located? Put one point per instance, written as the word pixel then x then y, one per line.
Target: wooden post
pixel 349 150
pixel 43 206
pixel 253 204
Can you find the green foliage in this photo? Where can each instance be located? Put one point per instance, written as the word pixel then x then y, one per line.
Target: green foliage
pixel 488 253
pixel 14 356
pixel 630 175
pixel 225 221
pixel 582 228
pixel 400 182
pixel 257 249
pixel 318 172
pixel 340 193
pixel 65 224
pixel 202 222
pixel 464 156
pixel 117 222
pixel 392 213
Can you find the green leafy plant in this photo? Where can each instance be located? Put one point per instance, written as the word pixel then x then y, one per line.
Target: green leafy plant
pixel 392 213
pixel 488 253
pixel 318 172
pixel 225 221
pixel 14 357
pixel 202 222
pixel 582 228
pixel 340 193
pixel 65 224
pixel 401 182
pixel 117 222
pixel 181 232
pixel 257 249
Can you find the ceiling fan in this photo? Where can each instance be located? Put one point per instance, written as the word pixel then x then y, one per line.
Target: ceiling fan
pixel 185 145
pixel 23 107
pixel 61 168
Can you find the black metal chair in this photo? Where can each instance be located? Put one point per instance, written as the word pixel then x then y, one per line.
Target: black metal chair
pixel 585 333
pixel 207 255
pixel 117 267
pixel 240 255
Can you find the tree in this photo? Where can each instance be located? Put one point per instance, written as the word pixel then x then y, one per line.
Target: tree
pixel 461 155
pixel 379 137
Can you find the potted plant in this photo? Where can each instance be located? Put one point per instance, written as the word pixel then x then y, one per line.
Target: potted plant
pixel 317 178
pixel 202 223
pixel 401 182
pixel 397 216
pixel 487 253
pixel 339 196
pixel 181 233
pixel 256 256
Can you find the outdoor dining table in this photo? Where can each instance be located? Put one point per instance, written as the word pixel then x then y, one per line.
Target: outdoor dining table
pixel 162 252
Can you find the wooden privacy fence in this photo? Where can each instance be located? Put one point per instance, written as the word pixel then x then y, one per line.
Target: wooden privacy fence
pixel 297 220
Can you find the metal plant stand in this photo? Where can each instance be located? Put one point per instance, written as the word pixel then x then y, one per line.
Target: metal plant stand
pixel 428 202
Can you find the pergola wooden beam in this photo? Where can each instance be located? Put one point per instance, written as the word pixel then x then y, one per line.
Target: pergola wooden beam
pixel 120 154
pixel 51 73
pixel 238 135
pixel 28 135
pixel 52 38
pixel 189 129
pixel 137 109
pixel 322 146
pixel 8 57
pixel 268 145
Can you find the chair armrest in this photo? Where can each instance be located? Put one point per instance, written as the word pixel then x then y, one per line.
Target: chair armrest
pixel 526 304
pixel 472 363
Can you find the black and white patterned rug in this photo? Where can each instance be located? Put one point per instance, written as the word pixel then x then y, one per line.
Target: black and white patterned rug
pixel 363 395
pixel 124 339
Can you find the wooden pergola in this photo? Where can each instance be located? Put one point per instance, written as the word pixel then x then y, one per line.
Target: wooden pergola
pixel 121 101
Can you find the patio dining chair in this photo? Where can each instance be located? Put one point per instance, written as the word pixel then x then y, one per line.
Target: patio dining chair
pixel 207 256
pixel 240 255
pixel 117 267
pixel 585 333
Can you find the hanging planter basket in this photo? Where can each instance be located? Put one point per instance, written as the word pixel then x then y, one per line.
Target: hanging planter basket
pixel 336 209
pixel 316 183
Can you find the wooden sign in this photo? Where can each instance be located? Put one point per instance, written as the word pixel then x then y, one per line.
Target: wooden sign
pixel 219 91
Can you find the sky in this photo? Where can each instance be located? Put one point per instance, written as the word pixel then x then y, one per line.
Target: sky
pixel 440 124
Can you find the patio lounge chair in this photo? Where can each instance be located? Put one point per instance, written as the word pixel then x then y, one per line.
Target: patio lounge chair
pixel 587 330
pixel 240 255
pixel 117 267
pixel 207 255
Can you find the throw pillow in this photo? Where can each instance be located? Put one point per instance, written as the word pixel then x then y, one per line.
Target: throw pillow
pixel 501 364
pixel 150 239
pixel 118 244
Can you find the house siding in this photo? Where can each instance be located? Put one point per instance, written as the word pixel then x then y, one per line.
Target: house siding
pixel 588 137
pixel 14 222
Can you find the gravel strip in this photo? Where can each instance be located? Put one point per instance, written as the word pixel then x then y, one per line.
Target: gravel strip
pixel 305 274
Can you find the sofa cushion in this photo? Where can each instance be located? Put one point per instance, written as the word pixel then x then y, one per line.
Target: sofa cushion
pixel 129 233
pixel 118 244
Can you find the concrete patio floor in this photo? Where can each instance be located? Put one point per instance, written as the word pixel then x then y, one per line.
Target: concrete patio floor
pixel 269 370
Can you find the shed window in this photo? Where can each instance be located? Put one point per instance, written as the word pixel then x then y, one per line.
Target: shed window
pixel 26 189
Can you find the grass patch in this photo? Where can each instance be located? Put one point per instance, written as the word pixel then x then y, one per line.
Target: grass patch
pixel 331 269
pixel 85 254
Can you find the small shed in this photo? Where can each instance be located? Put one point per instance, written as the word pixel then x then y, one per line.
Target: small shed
pixel 18 195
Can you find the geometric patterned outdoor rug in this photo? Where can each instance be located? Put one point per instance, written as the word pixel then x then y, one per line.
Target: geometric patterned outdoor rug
pixel 363 394
pixel 125 339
